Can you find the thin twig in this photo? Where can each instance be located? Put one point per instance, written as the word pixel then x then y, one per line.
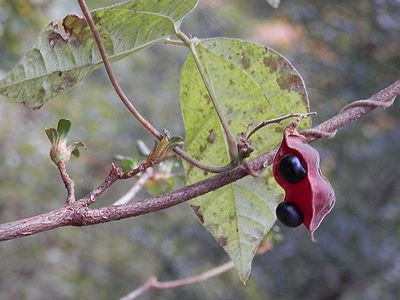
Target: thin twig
pixel 230 137
pixel 368 103
pixel 200 165
pixel 354 111
pixel 278 120
pixel 169 41
pixel 135 188
pixel 68 182
pixel 125 100
pixel 140 290
pixel 115 174
pixel 153 283
pixel 78 214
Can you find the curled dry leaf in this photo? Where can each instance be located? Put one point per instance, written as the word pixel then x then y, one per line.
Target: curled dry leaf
pixel 312 193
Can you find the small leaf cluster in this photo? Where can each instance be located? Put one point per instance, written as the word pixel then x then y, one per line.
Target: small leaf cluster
pixel 60 151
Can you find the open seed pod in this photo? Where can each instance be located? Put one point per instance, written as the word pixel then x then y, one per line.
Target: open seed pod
pixel 308 194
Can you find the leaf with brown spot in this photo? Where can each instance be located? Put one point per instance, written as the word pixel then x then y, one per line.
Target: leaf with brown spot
pixel 74 25
pixel 248 92
pixel 222 241
pixel 212 136
pixel 244 61
pixel 70 49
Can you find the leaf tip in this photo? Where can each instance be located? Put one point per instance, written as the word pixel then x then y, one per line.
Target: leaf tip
pixel 63 127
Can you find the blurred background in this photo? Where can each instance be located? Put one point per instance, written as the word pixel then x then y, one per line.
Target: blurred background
pixel 345 50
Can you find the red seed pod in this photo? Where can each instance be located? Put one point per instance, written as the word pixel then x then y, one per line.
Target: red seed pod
pixel 296 169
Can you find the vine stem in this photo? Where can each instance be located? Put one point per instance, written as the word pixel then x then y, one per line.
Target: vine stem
pixel 169 41
pixel 278 120
pixel 231 140
pixel 125 100
pixel 212 169
pixel 107 64
pixel 79 214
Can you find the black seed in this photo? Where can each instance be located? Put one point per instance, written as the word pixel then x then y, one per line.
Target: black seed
pixel 289 214
pixel 291 169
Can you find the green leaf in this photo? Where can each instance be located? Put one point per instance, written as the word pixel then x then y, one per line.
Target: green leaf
pixel 63 127
pixel 75 148
pixel 127 163
pixel 252 83
pixel 51 134
pixel 76 152
pixel 65 54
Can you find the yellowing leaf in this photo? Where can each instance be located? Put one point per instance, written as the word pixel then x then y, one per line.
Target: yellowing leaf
pixel 252 83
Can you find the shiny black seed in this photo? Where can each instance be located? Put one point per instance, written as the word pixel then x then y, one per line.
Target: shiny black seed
pixel 289 214
pixel 291 169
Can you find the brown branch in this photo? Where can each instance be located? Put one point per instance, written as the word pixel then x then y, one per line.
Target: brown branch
pixel 78 214
pixel 68 182
pixel 115 174
pixel 355 111
pixel 153 283
pixel 125 100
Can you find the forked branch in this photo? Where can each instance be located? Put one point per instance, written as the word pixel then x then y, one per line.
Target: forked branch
pixel 153 283
pixel 79 214
pixel 128 104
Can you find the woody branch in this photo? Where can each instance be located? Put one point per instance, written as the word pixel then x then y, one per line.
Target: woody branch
pixel 79 214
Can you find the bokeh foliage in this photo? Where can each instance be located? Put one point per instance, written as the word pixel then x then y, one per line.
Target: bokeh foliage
pixel 345 50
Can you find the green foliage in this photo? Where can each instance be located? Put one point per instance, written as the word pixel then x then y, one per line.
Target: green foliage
pixel 63 127
pixel 58 138
pixel 252 83
pixel 119 256
pixel 51 134
pixel 65 54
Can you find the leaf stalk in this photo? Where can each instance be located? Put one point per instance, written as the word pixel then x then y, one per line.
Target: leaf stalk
pixel 125 100
pixel 231 140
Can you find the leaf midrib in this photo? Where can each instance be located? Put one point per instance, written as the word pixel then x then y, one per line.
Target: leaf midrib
pixel 95 64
